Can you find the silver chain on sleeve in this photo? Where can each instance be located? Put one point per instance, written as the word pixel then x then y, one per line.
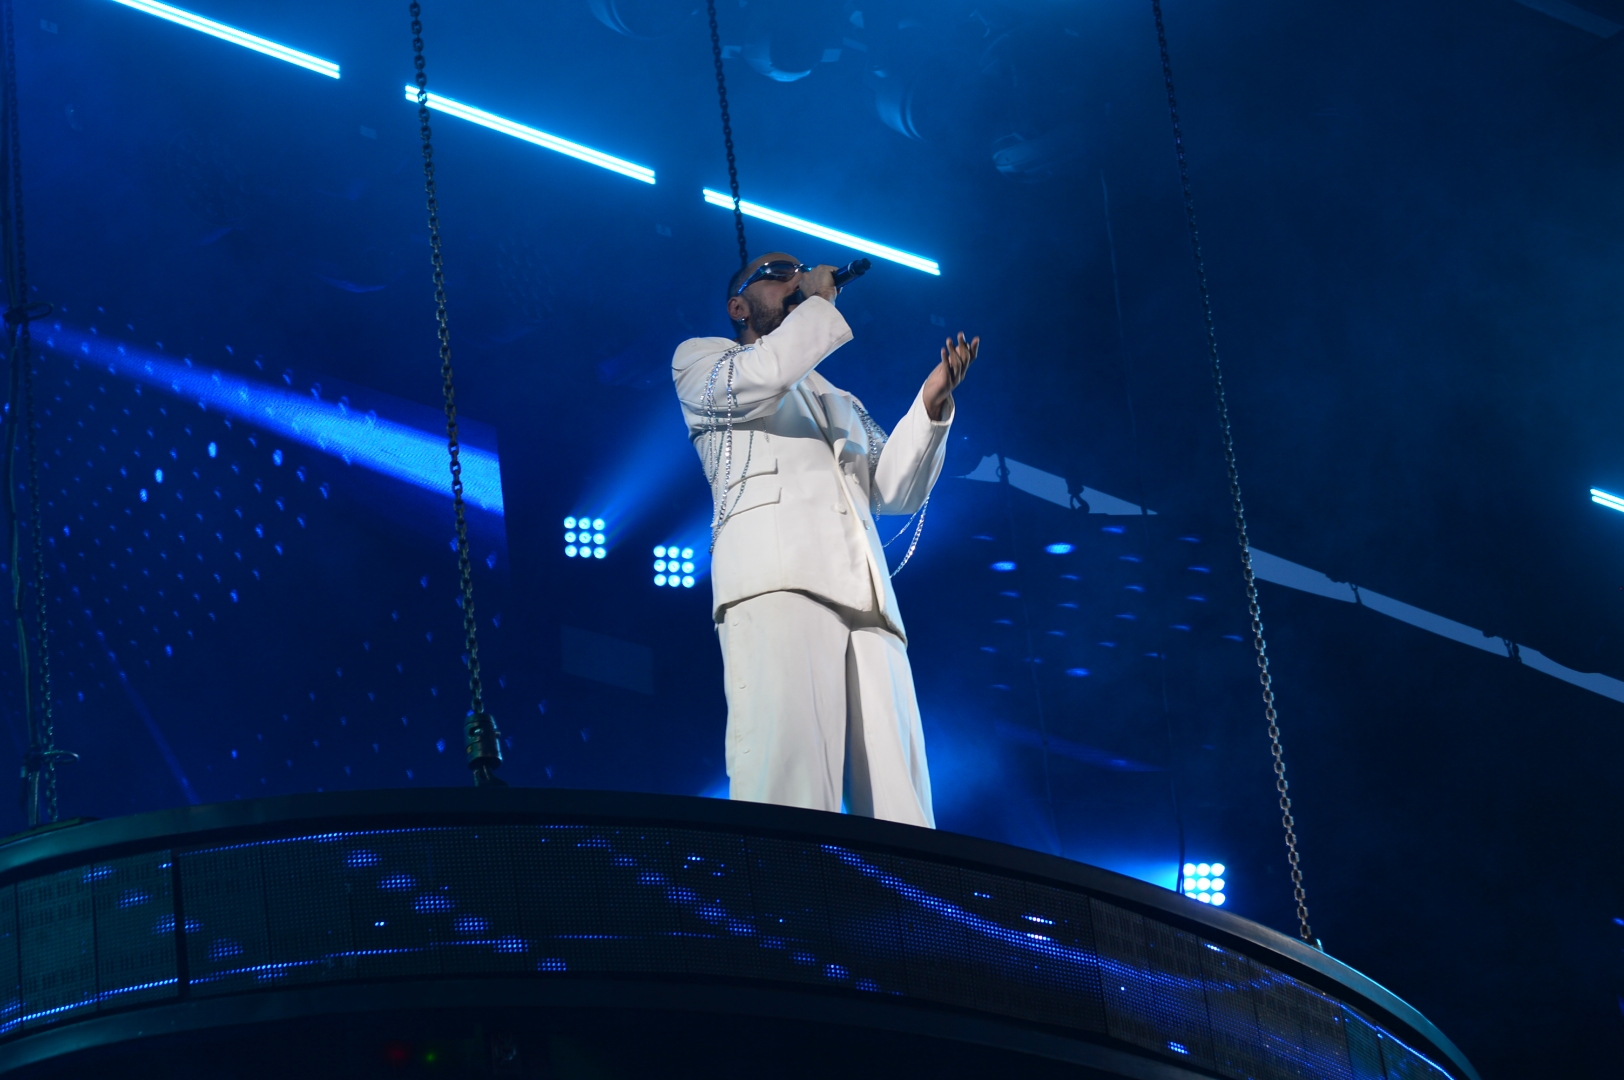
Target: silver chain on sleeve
pixel 717 453
pixel 876 438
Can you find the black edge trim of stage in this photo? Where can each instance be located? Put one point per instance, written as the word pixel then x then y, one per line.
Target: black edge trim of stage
pixel 27 854
pixel 181 1018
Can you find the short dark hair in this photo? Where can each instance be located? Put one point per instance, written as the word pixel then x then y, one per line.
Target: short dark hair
pixel 738 276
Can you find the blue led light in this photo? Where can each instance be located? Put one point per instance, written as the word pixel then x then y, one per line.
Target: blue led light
pixel 143 494
pixel 157 476
pixel 687 581
pixel 570 551
pixel 213 450
pixel 1077 672
pixel 406 453
pixel 659 553
pixel 569 523
pixel 823 232
pixel 659 579
pixel 687 553
pixel 1058 549
pixel 534 136
pixel 237 37
pixel 1003 567
pixel 598 524
pixel 598 553
pixel 276 457
pixel 1607 499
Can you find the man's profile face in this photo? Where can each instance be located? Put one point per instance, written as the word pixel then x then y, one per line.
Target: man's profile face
pixel 764 304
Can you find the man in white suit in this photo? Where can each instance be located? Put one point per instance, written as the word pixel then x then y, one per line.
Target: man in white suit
pixel 821 704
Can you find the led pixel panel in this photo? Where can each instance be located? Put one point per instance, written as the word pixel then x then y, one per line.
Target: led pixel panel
pixel 673 901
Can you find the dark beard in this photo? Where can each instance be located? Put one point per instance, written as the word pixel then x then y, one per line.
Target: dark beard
pixel 764 319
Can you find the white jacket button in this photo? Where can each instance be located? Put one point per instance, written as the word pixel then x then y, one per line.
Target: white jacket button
pixel 838 508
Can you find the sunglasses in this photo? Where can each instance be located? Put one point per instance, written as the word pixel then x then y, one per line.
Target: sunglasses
pixel 779 270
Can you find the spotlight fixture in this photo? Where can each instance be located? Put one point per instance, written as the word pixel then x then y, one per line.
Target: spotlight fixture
pixel 674 566
pixel 1607 499
pixel 584 538
pixel 1205 882
pixel 237 37
pixel 452 107
pixel 823 232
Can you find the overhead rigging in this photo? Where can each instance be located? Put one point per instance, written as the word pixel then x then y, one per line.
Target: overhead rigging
pixel 1287 821
pixel 482 741
pixel 39 765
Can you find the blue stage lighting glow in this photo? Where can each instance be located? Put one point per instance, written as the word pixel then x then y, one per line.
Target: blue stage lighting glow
pixel 452 107
pixel 157 476
pixel 406 453
pixel 1607 499
pixel 674 566
pixel 1058 549
pixel 823 232
pixel 143 494
pixel 585 538
pixel 1003 567
pixel 237 37
pixel 1205 882
pixel 213 450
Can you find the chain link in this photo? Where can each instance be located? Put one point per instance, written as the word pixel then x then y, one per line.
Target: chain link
pixel 482 739
pixel 43 755
pixel 1287 821
pixel 727 133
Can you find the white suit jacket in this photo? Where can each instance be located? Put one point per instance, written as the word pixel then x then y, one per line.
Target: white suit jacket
pixel 803 521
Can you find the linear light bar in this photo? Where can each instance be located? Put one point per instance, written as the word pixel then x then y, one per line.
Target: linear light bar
pixel 456 108
pixel 1607 499
pixel 235 36
pixel 823 232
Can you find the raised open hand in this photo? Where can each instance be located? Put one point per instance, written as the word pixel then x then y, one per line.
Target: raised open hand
pixel 957 356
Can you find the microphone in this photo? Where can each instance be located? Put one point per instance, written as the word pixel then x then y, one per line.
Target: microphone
pixel 851 272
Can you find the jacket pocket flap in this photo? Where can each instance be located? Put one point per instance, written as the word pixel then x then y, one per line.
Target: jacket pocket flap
pixel 759 466
pixel 754 495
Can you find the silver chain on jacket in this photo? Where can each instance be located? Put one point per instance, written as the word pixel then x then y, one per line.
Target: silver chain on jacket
pixel 717 454
pixel 876 438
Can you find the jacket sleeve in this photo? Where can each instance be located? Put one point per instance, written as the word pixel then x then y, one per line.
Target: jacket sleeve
pixel 912 459
pixel 764 372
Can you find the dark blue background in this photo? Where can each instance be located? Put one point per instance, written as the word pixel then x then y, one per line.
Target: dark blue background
pixel 1412 229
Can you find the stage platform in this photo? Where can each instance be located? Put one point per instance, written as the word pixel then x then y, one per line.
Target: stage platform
pixel 565 934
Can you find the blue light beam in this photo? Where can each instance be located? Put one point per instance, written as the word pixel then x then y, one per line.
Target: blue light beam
pixel 237 37
pixel 1607 499
pixel 823 232
pixel 384 446
pixel 452 107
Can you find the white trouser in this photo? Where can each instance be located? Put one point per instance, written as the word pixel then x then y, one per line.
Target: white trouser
pixel 816 695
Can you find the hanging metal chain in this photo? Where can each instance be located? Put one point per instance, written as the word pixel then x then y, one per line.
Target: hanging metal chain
pixel 39 767
pixel 483 742
pixel 1287 821
pixel 727 133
